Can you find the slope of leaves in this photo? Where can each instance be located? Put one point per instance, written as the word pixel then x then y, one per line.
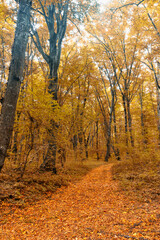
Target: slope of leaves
pixel 35 186
pixel 93 208
pixel 139 175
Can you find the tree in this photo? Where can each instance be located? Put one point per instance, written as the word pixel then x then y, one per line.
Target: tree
pixel 56 15
pixel 148 19
pixel 15 77
pixel 158 99
pixel 6 33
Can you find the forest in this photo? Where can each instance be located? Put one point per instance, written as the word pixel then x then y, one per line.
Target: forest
pixel 79 89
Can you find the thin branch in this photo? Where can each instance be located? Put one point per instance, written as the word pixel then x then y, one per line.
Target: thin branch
pixel 38 44
pixel 158 33
pixel 75 25
pixel 126 5
pixel 44 13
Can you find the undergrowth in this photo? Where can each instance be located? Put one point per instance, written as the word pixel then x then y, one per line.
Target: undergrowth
pixel 139 175
pixel 35 186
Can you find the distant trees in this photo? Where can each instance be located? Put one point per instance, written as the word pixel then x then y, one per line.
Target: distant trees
pixel 90 88
pixel 147 19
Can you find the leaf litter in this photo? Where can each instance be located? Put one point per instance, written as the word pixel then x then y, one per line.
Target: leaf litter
pixel 93 208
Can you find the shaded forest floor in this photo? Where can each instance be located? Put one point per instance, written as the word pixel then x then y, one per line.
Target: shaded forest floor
pixel 34 185
pixel 94 208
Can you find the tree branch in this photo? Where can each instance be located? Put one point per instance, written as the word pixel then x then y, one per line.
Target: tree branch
pixel 38 44
pixel 126 5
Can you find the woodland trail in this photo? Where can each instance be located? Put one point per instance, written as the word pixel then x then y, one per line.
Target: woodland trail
pixel 92 209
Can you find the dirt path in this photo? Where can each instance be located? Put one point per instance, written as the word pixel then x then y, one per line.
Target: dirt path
pixel 92 209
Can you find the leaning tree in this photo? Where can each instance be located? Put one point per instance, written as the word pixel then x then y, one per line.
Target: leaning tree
pixel 15 77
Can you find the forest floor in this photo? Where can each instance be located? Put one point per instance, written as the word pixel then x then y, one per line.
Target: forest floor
pixel 94 208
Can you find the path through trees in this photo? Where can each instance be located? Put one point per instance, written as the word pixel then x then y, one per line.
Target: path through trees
pixel 93 208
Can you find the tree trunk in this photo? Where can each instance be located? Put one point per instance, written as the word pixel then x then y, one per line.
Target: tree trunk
pixel 130 123
pixel 142 118
pixel 50 159
pixel 81 138
pixel 115 125
pixel 74 141
pixel 116 152
pixel 109 139
pixel 125 117
pixel 158 110
pixel 97 140
pixel 86 143
pixel 3 76
pixel 56 20
pixel 158 101
pixel 110 127
pixel 86 150
pixel 15 77
pixel 49 163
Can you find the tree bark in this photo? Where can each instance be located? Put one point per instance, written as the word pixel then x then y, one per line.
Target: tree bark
pixel 125 118
pixel 15 77
pixel 49 163
pixel 130 122
pixel 3 67
pixel 97 140
pixel 110 126
pixel 116 152
pixel 158 102
pixel 109 139
pixel 142 118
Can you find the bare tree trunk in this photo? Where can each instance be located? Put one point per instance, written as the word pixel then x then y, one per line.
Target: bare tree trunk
pixel 115 125
pixel 3 76
pixel 117 154
pixel 50 159
pixel 74 141
pixel 158 110
pixel 86 148
pixel 86 142
pixel 125 117
pixel 81 137
pixel 158 101
pixel 130 123
pixel 142 118
pixel 15 77
pixel 97 140
pixel 109 138
pixel 110 125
